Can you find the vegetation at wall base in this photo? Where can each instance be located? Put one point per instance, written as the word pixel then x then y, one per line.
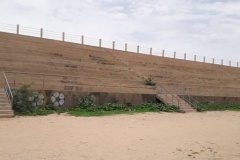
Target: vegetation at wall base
pixel 86 106
pixel 211 106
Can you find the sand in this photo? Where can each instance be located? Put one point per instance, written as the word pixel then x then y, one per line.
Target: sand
pixel 149 136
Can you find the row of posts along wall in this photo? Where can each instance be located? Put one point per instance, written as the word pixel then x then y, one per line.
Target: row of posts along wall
pixel 22 30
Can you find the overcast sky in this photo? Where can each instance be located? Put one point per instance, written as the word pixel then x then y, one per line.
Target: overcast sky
pixel 204 27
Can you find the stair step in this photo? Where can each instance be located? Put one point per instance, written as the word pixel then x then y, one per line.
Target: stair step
pixel 6 112
pixel 6 115
pixel 4 104
pixel 5 108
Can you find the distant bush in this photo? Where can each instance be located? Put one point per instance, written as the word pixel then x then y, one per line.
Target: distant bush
pixel 211 106
pixel 149 81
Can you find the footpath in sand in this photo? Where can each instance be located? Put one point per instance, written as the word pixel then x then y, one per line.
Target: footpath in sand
pixel 150 136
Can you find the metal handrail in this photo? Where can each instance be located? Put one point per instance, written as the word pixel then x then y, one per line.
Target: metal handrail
pixel 8 90
pixel 173 98
pixel 189 99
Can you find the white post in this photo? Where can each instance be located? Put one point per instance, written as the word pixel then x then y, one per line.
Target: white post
pixel 82 39
pixel 174 56
pixel 100 43
pixel 163 53
pixel 63 36
pixel 204 59
pixel 17 28
pixel 213 60
pixel 185 56
pixel 113 45
pixel 137 49
pixel 41 33
pixel 126 47
pixel 150 51
pixel 195 58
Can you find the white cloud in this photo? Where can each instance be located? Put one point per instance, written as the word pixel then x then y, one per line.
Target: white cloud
pixel 202 27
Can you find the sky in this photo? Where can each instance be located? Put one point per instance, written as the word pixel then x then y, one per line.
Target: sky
pixel 208 28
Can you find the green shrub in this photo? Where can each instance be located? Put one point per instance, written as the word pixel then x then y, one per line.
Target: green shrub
pixel 21 103
pixel 149 81
pixel 87 102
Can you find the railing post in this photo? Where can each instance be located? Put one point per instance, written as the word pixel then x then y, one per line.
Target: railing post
pixel 222 62
pixel 100 43
pixel 174 56
pixel 113 45
pixel 213 60
pixel 185 56
pixel 150 51
pixel 43 80
pixel 14 79
pixel 41 33
pixel 126 47
pixel 17 28
pixel 82 40
pixel 163 53
pixel 195 58
pixel 63 36
pixel 204 59
pixel 137 49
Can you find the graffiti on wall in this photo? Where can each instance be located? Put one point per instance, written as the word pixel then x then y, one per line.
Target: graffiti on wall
pixel 58 99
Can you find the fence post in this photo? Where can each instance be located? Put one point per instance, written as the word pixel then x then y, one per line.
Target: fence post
pixel 229 63
pixel 113 45
pixel 63 36
pixel 137 49
pixel 185 56
pixel 195 58
pixel 163 53
pixel 222 62
pixel 17 28
pixel 174 56
pixel 213 60
pixel 82 40
pixel 126 47
pixel 150 51
pixel 204 59
pixel 41 33
pixel 100 43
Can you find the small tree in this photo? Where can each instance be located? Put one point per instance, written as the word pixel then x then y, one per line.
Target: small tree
pixel 21 103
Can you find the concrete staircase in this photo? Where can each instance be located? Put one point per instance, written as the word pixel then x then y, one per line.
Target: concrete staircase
pixel 5 108
pixel 167 99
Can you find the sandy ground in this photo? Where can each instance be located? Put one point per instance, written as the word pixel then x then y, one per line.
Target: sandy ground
pixel 150 136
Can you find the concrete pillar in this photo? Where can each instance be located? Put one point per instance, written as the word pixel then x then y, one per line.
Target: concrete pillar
pixel 137 49
pixel 195 58
pixel 163 53
pixel 237 64
pixel 229 63
pixel 174 55
pixel 204 59
pixel 113 45
pixel 63 36
pixel 41 33
pixel 17 28
pixel 185 56
pixel 213 60
pixel 150 51
pixel 82 40
pixel 100 43
pixel 222 62
pixel 126 47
